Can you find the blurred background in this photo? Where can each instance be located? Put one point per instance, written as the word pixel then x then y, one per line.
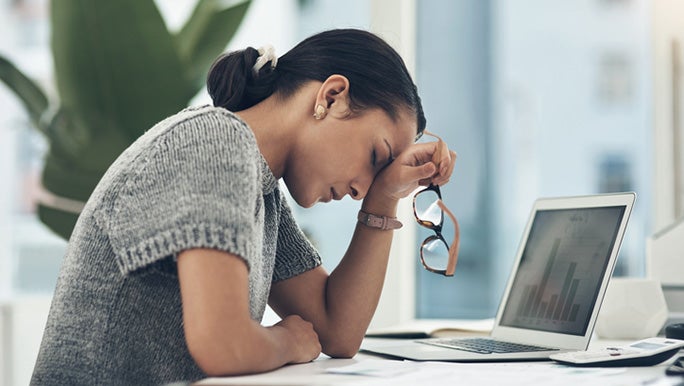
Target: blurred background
pixel 538 97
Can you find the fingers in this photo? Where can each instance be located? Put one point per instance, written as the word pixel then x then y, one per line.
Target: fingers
pixel 446 167
pixel 445 161
pixel 421 164
pixel 306 346
pixel 423 171
pixel 422 174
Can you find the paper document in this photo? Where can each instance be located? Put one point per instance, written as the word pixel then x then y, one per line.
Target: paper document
pixel 398 373
pixel 426 328
pixel 377 368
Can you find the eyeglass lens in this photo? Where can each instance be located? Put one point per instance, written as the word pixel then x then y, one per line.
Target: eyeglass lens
pixel 428 213
pixel 435 249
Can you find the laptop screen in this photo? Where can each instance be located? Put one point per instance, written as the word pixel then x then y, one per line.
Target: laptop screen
pixel 561 269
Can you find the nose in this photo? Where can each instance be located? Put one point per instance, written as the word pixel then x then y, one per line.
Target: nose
pixel 359 189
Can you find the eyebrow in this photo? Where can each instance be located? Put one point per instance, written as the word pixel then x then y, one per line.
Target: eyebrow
pixel 391 157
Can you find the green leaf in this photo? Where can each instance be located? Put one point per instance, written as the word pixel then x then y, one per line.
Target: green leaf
pixel 72 144
pixel 116 64
pixel 27 91
pixel 64 179
pixel 119 71
pixel 60 222
pixel 206 34
pixel 66 175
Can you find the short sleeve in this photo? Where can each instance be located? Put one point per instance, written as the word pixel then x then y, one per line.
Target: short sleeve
pixel 193 186
pixel 295 254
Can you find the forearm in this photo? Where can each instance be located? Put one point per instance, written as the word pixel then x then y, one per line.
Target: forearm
pixel 220 335
pixel 250 349
pixel 354 287
pixel 341 304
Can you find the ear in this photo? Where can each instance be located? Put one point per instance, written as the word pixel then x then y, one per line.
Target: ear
pixel 334 96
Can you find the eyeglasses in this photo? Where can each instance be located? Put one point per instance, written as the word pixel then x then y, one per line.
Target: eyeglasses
pixel 436 254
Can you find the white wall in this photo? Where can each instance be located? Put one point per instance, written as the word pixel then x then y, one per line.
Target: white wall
pixel 668 110
pixel 395 21
pixel 22 321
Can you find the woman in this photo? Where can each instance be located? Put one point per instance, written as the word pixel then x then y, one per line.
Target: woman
pixel 188 237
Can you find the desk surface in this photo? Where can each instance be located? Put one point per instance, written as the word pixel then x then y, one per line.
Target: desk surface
pixel 431 373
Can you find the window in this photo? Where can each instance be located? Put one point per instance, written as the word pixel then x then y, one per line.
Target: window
pixel 31 255
pixel 534 106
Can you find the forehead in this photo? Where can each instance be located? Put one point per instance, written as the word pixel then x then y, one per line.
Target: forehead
pixel 399 132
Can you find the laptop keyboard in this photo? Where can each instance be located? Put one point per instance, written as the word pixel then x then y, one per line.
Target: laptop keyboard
pixel 485 345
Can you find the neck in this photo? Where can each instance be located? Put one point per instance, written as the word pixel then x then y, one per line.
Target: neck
pixel 276 124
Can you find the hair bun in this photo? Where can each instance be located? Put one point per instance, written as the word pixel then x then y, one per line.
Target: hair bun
pixel 228 78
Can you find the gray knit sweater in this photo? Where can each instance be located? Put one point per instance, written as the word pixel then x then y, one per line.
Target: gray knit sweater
pixel 196 179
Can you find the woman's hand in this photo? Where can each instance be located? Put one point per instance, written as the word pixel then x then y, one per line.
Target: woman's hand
pixel 420 164
pixel 303 343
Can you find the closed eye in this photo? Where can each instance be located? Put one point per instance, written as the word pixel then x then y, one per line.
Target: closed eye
pixel 391 156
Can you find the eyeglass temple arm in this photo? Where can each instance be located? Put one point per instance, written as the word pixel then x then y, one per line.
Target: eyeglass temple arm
pixel 453 248
pixel 437 156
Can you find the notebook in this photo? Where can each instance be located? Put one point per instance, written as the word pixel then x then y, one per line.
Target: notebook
pixel 554 292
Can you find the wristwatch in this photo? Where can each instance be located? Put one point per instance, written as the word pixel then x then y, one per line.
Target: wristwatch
pixel 380 222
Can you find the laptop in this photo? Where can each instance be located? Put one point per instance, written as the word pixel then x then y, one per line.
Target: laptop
pixel 553 295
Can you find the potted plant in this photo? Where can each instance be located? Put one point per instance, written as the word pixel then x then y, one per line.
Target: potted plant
pixel 118 70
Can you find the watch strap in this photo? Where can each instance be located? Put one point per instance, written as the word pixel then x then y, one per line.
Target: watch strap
pixel 379 222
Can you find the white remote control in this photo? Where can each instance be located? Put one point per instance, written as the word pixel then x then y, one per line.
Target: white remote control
pixel 645 352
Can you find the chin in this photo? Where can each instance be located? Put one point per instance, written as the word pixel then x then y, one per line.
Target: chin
pixel 309 205
pixel 304 202
pixel 301 197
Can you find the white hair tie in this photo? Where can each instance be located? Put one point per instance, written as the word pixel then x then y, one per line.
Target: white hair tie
pixel 266 54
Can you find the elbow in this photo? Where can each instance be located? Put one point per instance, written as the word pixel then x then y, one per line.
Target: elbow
pixel 210 366
pixel 208 363
pixel 341 354
pixel 213 358
pixel 342 348
pixel 341 340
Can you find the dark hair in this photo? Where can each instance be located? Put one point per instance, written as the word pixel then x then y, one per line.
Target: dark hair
pixel 376 73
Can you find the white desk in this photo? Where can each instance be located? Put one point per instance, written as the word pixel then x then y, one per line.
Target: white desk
pixel 433 374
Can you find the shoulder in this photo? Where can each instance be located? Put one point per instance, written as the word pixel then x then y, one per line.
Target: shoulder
pixel 191 148
pixel 199 113
pixel 205 131
pixel 208 120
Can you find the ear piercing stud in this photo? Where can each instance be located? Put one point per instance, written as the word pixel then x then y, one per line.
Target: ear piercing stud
pixel 319 112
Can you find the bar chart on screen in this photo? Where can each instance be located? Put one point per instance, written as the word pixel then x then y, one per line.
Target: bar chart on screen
pixel 562 294
pixel 560 273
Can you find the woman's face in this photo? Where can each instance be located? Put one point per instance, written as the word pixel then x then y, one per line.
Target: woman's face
pixel 341 156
